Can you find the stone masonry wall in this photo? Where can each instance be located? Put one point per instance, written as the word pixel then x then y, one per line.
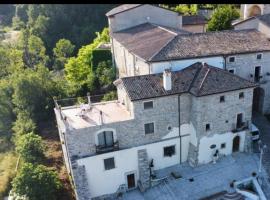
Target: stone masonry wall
pixel 244 66
pixel 131 133
pixel 144 172
pixel 220 116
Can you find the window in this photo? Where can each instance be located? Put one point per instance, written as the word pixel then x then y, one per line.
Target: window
pixel 109 163
pixel 231 59
pixel 259 56
pixel 222 99
pixel 231 71
pixel 148 105
pixel 169 151
pixel 149 128
pixel 223 146
pixel 257 74
pixel 241 95
pixel 207 127
pixel 105 139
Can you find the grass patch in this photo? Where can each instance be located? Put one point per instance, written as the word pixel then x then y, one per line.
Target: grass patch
pixel 8 162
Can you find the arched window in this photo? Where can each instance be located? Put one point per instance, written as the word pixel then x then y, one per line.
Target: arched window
pixel 105 139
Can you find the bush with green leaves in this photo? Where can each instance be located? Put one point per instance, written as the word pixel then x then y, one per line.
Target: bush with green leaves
pixel 36 182
pixel 110 96
pixel 24 124
pixel 30 147
pixel 62 51
pixel 105 73
pixel 222 18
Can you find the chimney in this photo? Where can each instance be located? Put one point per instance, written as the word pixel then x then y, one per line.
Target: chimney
pixel 167 79
pixel 101 117
pixel 89 98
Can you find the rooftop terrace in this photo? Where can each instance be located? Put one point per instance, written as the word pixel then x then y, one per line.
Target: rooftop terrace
pixel 83 115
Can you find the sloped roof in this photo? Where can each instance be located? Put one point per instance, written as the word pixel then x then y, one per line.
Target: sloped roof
pixel 193 20
pixel 212 44
pixel 264 18
pixel 122 8
pixel 198 79
pixel 145 40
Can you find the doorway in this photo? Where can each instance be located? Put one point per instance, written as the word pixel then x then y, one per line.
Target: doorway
pixel 258 98
pixel 131 183
pixel 236 144
pixel 239 121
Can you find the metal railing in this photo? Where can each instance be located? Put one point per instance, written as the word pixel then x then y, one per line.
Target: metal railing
pixel 240 127
pixel 105 148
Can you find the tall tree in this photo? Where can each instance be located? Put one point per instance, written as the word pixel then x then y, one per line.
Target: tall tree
pixel 222 18
pixel 62 51
pixel 36 182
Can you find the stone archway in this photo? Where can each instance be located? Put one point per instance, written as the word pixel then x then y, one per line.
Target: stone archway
pixel 236 144
pixel 254 11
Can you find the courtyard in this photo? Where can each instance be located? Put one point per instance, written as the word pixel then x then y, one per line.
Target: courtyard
pixel 203 181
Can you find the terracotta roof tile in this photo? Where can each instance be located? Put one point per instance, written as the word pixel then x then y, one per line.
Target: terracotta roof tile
pixel 197 79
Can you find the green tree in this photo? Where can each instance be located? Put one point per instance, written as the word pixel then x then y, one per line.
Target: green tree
pixel 62 51
pixel 222 18
pixel 6 108
pixel 79 71
pixel 36 182
pixel 186 9
pixel 110 96
pixel 23 124
pixel 33 93
pixel 105 73
pixel 30 147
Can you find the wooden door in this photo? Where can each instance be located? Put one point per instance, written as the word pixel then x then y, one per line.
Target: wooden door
pixel 131 181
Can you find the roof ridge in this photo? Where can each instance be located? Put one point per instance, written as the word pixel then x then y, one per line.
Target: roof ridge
pixel 195 77
pixel 208 70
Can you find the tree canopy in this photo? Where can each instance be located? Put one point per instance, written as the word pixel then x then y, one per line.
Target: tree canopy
pixel 30 147
pixel 36 182
pixel 222 18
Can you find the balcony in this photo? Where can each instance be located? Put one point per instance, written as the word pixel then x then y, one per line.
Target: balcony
pixel 104 149
pixel 240 127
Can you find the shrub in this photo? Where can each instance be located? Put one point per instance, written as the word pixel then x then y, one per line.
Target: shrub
pixel 110 96
pixel 30 147
pixel 36 182
pixel 24 124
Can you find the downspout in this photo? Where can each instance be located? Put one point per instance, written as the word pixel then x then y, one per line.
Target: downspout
pixel 180 137
pixel 225 63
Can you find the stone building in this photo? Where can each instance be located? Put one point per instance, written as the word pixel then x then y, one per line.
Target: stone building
pixel 166 46
pixel 182 97
pixel 166 118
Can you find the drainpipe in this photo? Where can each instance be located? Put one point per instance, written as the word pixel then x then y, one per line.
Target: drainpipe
pixel 225 63
pixel 179 129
